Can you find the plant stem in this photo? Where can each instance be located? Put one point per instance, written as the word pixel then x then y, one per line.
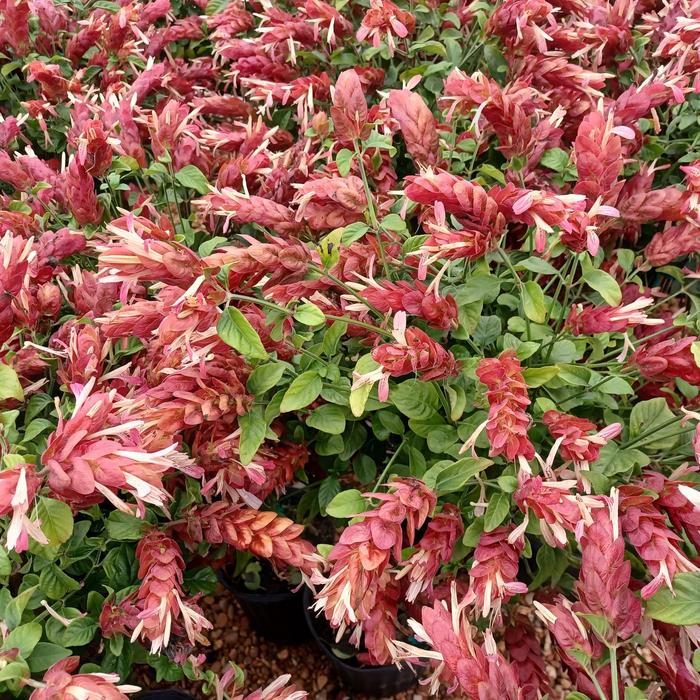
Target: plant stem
pixel 613 673
pixel 289 312
pixel 370 207
pixel 603 696
pixel 518 281
pixel 655 429
pixel 390 463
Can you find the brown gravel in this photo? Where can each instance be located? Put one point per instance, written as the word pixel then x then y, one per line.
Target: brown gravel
pixel 232 639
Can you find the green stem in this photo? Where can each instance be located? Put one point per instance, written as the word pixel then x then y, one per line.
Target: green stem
pixel 289 312
pixel 613 673
pixel 603 696
pixel 370 208
pixel 348 289
pixel 652 431
pixel 390 463
pixel 518 281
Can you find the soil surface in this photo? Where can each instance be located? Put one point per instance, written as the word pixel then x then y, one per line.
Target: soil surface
pixel 233 639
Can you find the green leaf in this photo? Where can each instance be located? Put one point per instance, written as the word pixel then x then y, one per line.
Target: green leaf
pixel 604 284
pixel 472 534
pixel 328 419
pixel 442 438
pixel 14 609
pixel 616 386
pixel 13 671
pixel 647 417
pixel 493 172
pixel 309 314
pixel 332 336
pixel 36 427
pixel 447 477
pixel 235 330
pixel 497 64
pixel 24 637
pixel 632 693
pixel 79 633
pixel 264 377
pixel 46 654
pixel 478 287
pixel 10 388
pixel 393 222
pixel 487 331
pixel 391 422
pixel 365 468
pixel 302 391
pixel 564 351
pixel 360 394
pixel 56 520
pixel 496 511
pixel 537 376
pixel 253 428
pixel 344 161
pixel 191 176
pixel 537 265
pixel 5 562
pixel 123 526
pixel 555 159
pixel 55 583
pixel 353 232
pixel 347 504
pixel 600 626
pixel 682 607
pixel 201 580
pixel 330 486
pixel 533 302
pixel 415 399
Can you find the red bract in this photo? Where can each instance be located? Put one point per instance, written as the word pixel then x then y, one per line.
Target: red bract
pixel 353 591
pixel 349 110
pixel 494 570
pixel 412 297
pixel 575 443
pixel 557 509
pixel 417 125
pixel 604 585
pixel 607 319
pixel 415 352
pixel 526 657
pixel 434 548
pixel 60 683
pixel 18 488
pixel 95 453
pixel 508 422
pixel 460 663
pixel 657 545
pixel 666 360
pixel 80 194
pixel 678 499
pixel 265 534
pixel 328 203
pixel 383 21
pixel 163 611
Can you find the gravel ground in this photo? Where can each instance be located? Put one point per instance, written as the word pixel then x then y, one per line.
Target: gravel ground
pixel 232 639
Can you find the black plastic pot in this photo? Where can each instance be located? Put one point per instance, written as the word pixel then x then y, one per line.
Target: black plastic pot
pixel 377 681
pixel 277 616
pixel 165 695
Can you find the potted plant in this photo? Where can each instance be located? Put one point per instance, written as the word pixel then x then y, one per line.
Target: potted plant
pixel 273 604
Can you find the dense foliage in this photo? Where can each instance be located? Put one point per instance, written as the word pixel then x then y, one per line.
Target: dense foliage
pixel 426 272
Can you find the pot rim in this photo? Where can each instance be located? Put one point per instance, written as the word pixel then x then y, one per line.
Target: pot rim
pixel 325 647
